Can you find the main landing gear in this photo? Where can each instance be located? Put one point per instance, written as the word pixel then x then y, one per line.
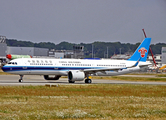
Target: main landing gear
pixel 21 80
pixel 88 80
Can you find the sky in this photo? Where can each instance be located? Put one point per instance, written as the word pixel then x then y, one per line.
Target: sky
pixel 83 21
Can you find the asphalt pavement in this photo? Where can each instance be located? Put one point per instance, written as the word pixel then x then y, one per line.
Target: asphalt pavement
pixel 34 80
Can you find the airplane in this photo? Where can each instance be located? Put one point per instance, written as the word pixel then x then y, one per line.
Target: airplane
pixel 12 56
pixel 79 69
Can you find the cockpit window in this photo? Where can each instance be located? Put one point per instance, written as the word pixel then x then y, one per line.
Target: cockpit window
pixel 14 63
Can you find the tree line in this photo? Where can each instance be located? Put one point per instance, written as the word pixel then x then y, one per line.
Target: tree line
pixel 100 49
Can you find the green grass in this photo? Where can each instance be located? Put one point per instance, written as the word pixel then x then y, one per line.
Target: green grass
pixel 3 73
pixel 99 101
pixel 138 78
pixel 161 75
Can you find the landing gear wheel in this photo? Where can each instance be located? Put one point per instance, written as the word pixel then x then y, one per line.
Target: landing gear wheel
pixel 71 81
pixel 20 80
pixel 88 81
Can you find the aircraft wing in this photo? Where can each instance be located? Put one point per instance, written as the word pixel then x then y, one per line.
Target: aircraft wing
pixel 107 69
pixel 145 65
pixel 101 70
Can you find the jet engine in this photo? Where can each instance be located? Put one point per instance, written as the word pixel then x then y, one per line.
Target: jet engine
pixel 76 75
pixel 46 77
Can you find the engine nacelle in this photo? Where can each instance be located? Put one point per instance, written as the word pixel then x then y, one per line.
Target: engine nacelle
pixel 46 77
pixel 76 75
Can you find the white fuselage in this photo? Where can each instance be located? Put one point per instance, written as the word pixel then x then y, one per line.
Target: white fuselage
pixel 38 66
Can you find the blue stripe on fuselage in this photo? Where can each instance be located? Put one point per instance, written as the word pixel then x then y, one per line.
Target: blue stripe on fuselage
pixel 40 68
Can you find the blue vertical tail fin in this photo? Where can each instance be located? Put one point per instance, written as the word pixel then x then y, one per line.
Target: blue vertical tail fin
pixel 142 51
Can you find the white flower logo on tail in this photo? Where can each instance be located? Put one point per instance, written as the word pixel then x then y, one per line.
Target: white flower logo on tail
pixel 142 51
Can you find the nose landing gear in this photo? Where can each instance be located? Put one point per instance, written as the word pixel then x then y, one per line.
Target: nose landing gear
pixel 21 79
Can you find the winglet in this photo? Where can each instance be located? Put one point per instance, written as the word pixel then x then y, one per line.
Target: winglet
pixel 142 51
pixel 135 63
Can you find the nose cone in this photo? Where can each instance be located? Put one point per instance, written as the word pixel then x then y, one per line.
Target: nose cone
pixel 4 68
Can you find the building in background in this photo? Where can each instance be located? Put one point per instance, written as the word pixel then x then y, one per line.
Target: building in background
pixel 69 54
pixel 121 56
pixel 157 58
pixel 78 52
pixel 3 49
pixel 56 53
pixel 163 58
pixel 61 53
pixel 32 51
